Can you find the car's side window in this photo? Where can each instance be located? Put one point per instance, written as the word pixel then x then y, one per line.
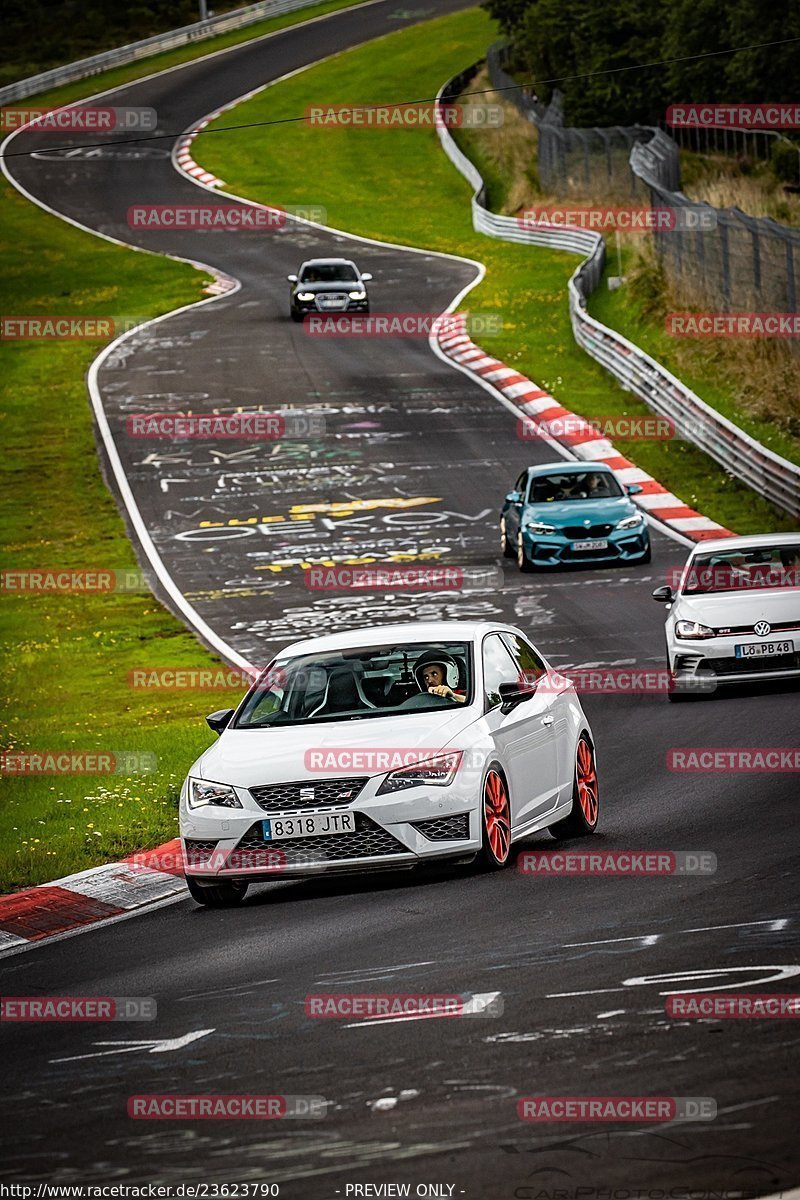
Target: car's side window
pixel 498 667
pixel 521 484
pixel 530 667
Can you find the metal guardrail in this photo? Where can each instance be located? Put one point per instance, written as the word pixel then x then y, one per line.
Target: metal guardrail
pixel 199 31
pixel 739 454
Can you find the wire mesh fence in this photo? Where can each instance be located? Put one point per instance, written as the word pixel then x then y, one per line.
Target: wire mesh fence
pixel 714 258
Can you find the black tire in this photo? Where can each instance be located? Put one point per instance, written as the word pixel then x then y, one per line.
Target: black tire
pixel 226 894
pixel 579 823
pixel 648 556
pixel 296 316
pixel 523 562
pixel 508 549
pixel 495 835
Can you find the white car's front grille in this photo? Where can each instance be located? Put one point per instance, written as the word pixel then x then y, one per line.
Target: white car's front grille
pixel 307 794
pixel 368 840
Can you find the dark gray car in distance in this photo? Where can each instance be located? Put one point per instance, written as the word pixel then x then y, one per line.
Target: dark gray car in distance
pixel 328 285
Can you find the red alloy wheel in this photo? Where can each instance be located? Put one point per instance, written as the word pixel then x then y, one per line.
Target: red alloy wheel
pixel 497 817
pixel 587 782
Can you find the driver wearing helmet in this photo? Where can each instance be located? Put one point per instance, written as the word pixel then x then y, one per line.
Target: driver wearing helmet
pixel 436 673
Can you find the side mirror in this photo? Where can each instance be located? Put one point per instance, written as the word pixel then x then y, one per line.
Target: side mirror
pixel 511 694
pixel 633 489
pixel 366 276
pixel 292 278
pixel 514 498
pixel 219 721
pixel 664 594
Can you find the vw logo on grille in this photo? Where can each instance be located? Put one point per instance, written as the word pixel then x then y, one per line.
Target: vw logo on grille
pixel 307 793
pixel 762 628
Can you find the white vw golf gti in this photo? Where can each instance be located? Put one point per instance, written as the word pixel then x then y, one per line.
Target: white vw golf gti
pixel 734 616
pixel 384 748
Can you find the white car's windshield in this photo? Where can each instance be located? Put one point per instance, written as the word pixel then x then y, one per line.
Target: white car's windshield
pixel 372 681
pixel 329 273
pixel 574 485
pixel 743 569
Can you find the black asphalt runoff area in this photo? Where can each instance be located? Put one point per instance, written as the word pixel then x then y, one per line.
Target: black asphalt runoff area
pixel 414 460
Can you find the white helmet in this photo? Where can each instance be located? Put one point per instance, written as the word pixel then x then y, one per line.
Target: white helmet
pixel 441 659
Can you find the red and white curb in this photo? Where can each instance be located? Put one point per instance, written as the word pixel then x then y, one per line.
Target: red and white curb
pixel 583 441
pixel 183 158
pixel 100 894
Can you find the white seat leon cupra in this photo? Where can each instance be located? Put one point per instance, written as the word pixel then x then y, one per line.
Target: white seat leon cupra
pixel 385 748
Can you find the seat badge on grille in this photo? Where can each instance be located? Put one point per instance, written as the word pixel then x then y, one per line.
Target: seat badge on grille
pixel 307 793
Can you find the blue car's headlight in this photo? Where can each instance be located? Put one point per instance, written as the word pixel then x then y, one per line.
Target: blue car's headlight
pixel 630 522
pixel 537 527
pixel 201 794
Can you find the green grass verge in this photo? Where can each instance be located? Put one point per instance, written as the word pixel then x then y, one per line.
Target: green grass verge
pixel 397 185
pixel 67 657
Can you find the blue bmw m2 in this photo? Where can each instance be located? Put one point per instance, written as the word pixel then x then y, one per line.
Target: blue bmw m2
pixel 560 514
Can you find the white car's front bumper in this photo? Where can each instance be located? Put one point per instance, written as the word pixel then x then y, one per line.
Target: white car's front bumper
pixel 698 659
pixel 394 830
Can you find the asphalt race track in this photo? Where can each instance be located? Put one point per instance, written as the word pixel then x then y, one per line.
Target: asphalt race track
pixel 579 963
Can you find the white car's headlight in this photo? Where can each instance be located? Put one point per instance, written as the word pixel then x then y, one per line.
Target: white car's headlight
pixel 220 795
pixel 537 527
pixel 692 629
pixel 358 295
pixel 630 522
pixel 305 295
pixel 436 772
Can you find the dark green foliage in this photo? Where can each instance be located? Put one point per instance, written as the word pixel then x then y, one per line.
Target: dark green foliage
pixel 588 46
pixel 38 34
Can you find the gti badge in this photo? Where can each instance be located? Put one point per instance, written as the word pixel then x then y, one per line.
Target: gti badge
pixel 762 628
